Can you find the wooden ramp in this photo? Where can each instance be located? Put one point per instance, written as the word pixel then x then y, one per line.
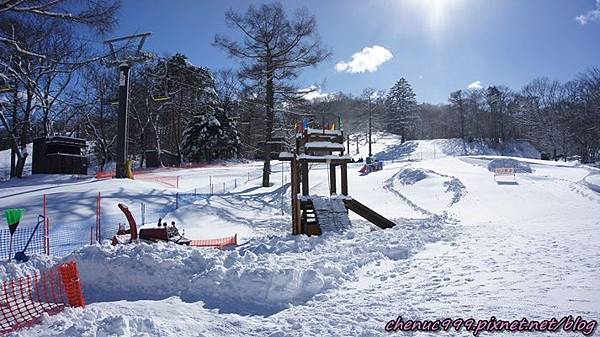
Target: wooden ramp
pixel 368 214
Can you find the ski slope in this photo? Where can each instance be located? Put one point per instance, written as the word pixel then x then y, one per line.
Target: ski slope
pixel 465 246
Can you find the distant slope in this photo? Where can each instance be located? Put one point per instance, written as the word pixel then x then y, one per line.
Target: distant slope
pixel 387 147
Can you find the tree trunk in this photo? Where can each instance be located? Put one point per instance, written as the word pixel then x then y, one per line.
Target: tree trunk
pixel 20 164
pixel 268 128
pixel 13 162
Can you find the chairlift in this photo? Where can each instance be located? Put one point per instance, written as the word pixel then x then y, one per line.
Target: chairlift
pixel 161 98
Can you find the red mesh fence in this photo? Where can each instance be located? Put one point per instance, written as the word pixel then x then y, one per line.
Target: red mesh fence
pixel 23 300
pixel 217 243
pixel 171 181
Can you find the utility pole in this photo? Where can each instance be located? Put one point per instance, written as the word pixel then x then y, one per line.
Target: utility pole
pixel 370 153
pixel 124 59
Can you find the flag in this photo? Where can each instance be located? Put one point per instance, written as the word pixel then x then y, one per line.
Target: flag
pixel 296 125
pixel 333 126
pixel 305 123
pixel 13 217
pixel 339 122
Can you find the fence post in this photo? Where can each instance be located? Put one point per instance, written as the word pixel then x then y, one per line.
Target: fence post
pixel 46 240
pixel 177 200
pixel 248 176
pixel 210 183
pixel 48 235
pixel 235 183
pixel 143 211
pixel 195 196
pixel 177 181
pixel 223 188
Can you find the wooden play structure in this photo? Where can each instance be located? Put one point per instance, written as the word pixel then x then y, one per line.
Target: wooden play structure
pixel 310 215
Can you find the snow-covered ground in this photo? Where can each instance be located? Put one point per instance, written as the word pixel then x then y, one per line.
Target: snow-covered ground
pixel 465 246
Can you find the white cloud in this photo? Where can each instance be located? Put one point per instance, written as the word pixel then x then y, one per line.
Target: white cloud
pixel 313 92
pixel 593 15
pixel 368 59
pixel 475 85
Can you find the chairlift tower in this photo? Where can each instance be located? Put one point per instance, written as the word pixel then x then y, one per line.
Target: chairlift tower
pixel 124 57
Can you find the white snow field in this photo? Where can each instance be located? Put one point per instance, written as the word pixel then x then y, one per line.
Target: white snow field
pixel 465 246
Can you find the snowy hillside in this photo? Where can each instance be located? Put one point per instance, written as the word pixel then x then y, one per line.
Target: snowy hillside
pixel 466 245
pixel 387 146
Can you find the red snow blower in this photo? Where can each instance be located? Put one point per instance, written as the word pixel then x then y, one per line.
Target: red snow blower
pixel 162 233
pixel 372 165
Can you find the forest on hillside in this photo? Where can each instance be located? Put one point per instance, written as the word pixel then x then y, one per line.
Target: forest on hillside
pixel 53 81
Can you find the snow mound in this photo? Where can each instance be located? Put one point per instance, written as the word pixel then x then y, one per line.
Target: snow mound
pixel 517 165
pixel 37 262
pixel 410 176
pixel 261 277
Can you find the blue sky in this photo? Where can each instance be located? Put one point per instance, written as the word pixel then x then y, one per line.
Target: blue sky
pixel 437 45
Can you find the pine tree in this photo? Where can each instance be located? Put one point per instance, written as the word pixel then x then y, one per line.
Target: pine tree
pixel 401 109
pixel 211 134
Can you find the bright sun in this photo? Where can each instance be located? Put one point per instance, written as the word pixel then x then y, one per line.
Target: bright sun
pixel 434 13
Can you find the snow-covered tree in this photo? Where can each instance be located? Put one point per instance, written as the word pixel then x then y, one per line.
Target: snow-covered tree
pixel 211 134
pixel 401 109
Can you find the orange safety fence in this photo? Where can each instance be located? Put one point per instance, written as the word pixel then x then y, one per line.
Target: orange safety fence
pixel 217 243
pixel 24 300
pixel 172 181
pixel 105 174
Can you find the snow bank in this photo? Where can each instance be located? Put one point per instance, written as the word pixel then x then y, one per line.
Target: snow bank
pixel 517 165
pixel 261 277
pixel 593 182
pixel 11 269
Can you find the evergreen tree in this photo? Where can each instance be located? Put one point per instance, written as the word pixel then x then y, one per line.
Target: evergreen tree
pixel 211 134
pixel 401 109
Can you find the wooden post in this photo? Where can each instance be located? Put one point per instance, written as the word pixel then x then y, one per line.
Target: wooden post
pixel 304 174
pixel 332 180
pixel 294 190
pixel 344 178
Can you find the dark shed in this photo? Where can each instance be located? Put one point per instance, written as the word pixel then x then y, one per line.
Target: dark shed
pixel 59 155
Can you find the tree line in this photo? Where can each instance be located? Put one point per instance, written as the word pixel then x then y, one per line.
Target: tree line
pixel 52 81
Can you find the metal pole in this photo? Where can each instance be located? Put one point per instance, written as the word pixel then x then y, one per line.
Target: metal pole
pixel 122 120
pixel 370 153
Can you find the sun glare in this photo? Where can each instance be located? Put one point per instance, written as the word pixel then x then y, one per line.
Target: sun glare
pixel 435 15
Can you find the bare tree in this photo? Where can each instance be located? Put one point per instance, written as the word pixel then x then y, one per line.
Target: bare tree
pixel 273 49
pixel 98 15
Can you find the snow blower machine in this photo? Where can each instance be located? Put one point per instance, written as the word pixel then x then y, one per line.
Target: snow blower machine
pixel 161 233
pixel 372 164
